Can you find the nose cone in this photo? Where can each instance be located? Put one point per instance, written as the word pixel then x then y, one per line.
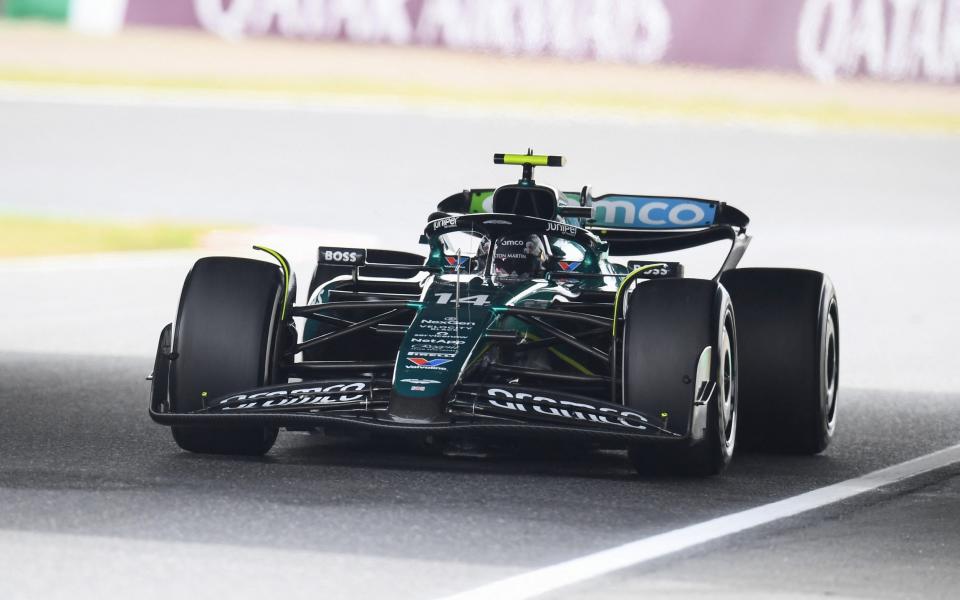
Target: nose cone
pixel 433 354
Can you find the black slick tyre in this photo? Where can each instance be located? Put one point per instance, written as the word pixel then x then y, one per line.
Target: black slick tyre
pixel 225 341
pixel 680 367
pixel 789 328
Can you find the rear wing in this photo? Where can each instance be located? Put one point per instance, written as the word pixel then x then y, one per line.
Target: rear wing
pixel 628 211
pixel 622 211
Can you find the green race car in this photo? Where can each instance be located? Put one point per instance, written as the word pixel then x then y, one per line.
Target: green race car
pixel 529 316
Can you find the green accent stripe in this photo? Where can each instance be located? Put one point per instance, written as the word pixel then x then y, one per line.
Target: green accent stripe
pixel 537 160
pixel 576 365
pixel 477 199
pixel 623 285
pixel 523 159
pixel 570 361
pixel 478 357
pixel 54 10
pixel 286 276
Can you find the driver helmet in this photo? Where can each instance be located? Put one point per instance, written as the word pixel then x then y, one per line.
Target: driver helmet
pixel 519 257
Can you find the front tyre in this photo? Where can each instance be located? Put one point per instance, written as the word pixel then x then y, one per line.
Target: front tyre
pixel 225 340
pixel 680 364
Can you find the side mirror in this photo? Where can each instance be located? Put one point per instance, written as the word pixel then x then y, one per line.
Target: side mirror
pixel 586 196
pixel 581 212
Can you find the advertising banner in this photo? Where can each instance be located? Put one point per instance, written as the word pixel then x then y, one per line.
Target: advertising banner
pixel 914 40
pixel 53 10
pixel 87 16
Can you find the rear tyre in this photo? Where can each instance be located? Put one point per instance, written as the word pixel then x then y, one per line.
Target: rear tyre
pixel 225 341
pixel 789 327
pixel 680 343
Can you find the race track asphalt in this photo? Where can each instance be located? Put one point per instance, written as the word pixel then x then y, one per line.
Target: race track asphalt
pixel 98 502
pixel 97 499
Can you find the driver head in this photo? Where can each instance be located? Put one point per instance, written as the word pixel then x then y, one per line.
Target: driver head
pixel 517 258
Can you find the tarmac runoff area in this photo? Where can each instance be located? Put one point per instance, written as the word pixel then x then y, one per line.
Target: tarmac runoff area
pixel 171 63
pixel 100 503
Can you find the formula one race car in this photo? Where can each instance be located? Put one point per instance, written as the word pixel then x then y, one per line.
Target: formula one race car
pixel 525 319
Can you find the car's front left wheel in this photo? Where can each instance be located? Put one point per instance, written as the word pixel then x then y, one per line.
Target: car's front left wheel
pixel 225 341
pixel 680 367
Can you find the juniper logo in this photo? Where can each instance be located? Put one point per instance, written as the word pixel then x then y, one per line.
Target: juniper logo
pixel 562 228
pixel 445 222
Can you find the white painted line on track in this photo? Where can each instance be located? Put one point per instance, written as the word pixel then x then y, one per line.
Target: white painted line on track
pixel 345 103
pixel 126 96
pixel 554 577
pixel 100 261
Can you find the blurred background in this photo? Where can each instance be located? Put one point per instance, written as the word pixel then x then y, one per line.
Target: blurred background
pixel 140 134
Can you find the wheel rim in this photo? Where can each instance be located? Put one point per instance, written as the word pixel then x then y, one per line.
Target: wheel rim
pixel 727 379
pixel 831 370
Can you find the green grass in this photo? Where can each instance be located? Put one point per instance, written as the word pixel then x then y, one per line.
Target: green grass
pixel 39 236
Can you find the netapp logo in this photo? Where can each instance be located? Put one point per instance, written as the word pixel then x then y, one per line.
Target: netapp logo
pixel 564 408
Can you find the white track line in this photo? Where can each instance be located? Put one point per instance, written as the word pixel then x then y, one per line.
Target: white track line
pixel 345 103
pixel 541 581
pixel 100 261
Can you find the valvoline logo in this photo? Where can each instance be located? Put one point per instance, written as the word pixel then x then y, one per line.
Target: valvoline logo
pixel 452 261
pixel 423 362
pixel 568 266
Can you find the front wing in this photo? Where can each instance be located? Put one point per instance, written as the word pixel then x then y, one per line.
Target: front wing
pixel 471 409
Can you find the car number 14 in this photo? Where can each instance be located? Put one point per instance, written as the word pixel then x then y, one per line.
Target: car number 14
pixel 478 300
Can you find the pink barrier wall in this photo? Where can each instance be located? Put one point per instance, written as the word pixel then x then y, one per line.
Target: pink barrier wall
pixel 915 40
